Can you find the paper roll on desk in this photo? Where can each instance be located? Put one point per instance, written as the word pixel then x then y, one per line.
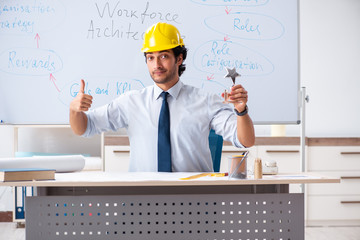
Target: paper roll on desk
pixel 67 163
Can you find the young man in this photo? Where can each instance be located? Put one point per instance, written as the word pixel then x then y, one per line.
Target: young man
pixel 174 125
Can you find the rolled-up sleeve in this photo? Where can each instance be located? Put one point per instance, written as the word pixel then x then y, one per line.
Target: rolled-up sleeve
pixel 224 120
pixel 109 117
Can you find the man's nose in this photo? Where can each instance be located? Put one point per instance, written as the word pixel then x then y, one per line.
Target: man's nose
pixel 158 63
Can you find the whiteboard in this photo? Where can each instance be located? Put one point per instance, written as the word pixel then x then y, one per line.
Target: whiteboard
pixel 47 46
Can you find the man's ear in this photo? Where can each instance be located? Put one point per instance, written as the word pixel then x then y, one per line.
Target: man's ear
pixel 179 59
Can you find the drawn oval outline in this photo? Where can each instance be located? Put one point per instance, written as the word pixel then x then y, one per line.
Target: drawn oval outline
pixel 266 66
pixel 30 61
pixel 225 25
pixel 246 3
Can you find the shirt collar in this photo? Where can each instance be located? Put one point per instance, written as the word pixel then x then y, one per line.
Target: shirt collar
pixel 174 91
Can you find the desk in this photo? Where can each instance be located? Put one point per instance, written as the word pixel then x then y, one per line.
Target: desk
pixel 99 205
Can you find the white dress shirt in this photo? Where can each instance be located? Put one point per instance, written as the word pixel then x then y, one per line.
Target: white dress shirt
pixel 193 112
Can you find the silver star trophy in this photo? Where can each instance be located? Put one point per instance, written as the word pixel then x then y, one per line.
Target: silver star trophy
pixel 231 73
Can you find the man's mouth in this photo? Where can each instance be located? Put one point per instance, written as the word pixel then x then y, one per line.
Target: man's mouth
pixel 159 72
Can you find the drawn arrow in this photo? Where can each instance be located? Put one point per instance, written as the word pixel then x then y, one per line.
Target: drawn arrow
pixel 210 77
pixel 53 79
pixel 37 38
pixel 226 38
pixel 227 10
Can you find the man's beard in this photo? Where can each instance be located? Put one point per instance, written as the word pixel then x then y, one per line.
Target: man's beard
pixel 169 77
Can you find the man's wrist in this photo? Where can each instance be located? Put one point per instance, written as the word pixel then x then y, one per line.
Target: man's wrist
pixel 243 112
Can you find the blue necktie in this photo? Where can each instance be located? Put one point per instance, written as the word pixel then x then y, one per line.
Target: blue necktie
pixel 164 147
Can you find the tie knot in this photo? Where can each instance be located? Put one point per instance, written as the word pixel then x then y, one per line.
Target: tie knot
pixel 164 95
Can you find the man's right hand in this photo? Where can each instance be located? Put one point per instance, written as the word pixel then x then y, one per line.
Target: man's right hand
pixel 82 102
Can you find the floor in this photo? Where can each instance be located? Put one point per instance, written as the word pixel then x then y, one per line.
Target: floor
pixel 9 231
pixel 332 233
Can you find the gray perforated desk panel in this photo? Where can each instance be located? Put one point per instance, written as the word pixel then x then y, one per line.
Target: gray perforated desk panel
pixel 97 205
pixel 166 216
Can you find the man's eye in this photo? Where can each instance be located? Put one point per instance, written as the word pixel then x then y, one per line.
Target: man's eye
pixel 149 58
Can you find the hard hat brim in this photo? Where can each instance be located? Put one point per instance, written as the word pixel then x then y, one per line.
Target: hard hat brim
pixel 160 48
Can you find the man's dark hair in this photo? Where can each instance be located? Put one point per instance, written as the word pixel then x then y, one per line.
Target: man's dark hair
pixel 177 51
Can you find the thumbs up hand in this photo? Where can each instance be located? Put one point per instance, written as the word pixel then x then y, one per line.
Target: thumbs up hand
pixel 82 102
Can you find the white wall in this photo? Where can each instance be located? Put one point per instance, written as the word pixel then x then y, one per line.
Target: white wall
pixel 330 66
pixel 330 71
pixel 48 140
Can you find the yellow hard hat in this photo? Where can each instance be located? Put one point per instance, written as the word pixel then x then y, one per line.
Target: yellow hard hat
pixel 161 36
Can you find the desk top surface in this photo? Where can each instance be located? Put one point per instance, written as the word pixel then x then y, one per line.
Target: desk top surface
pixel 96 178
